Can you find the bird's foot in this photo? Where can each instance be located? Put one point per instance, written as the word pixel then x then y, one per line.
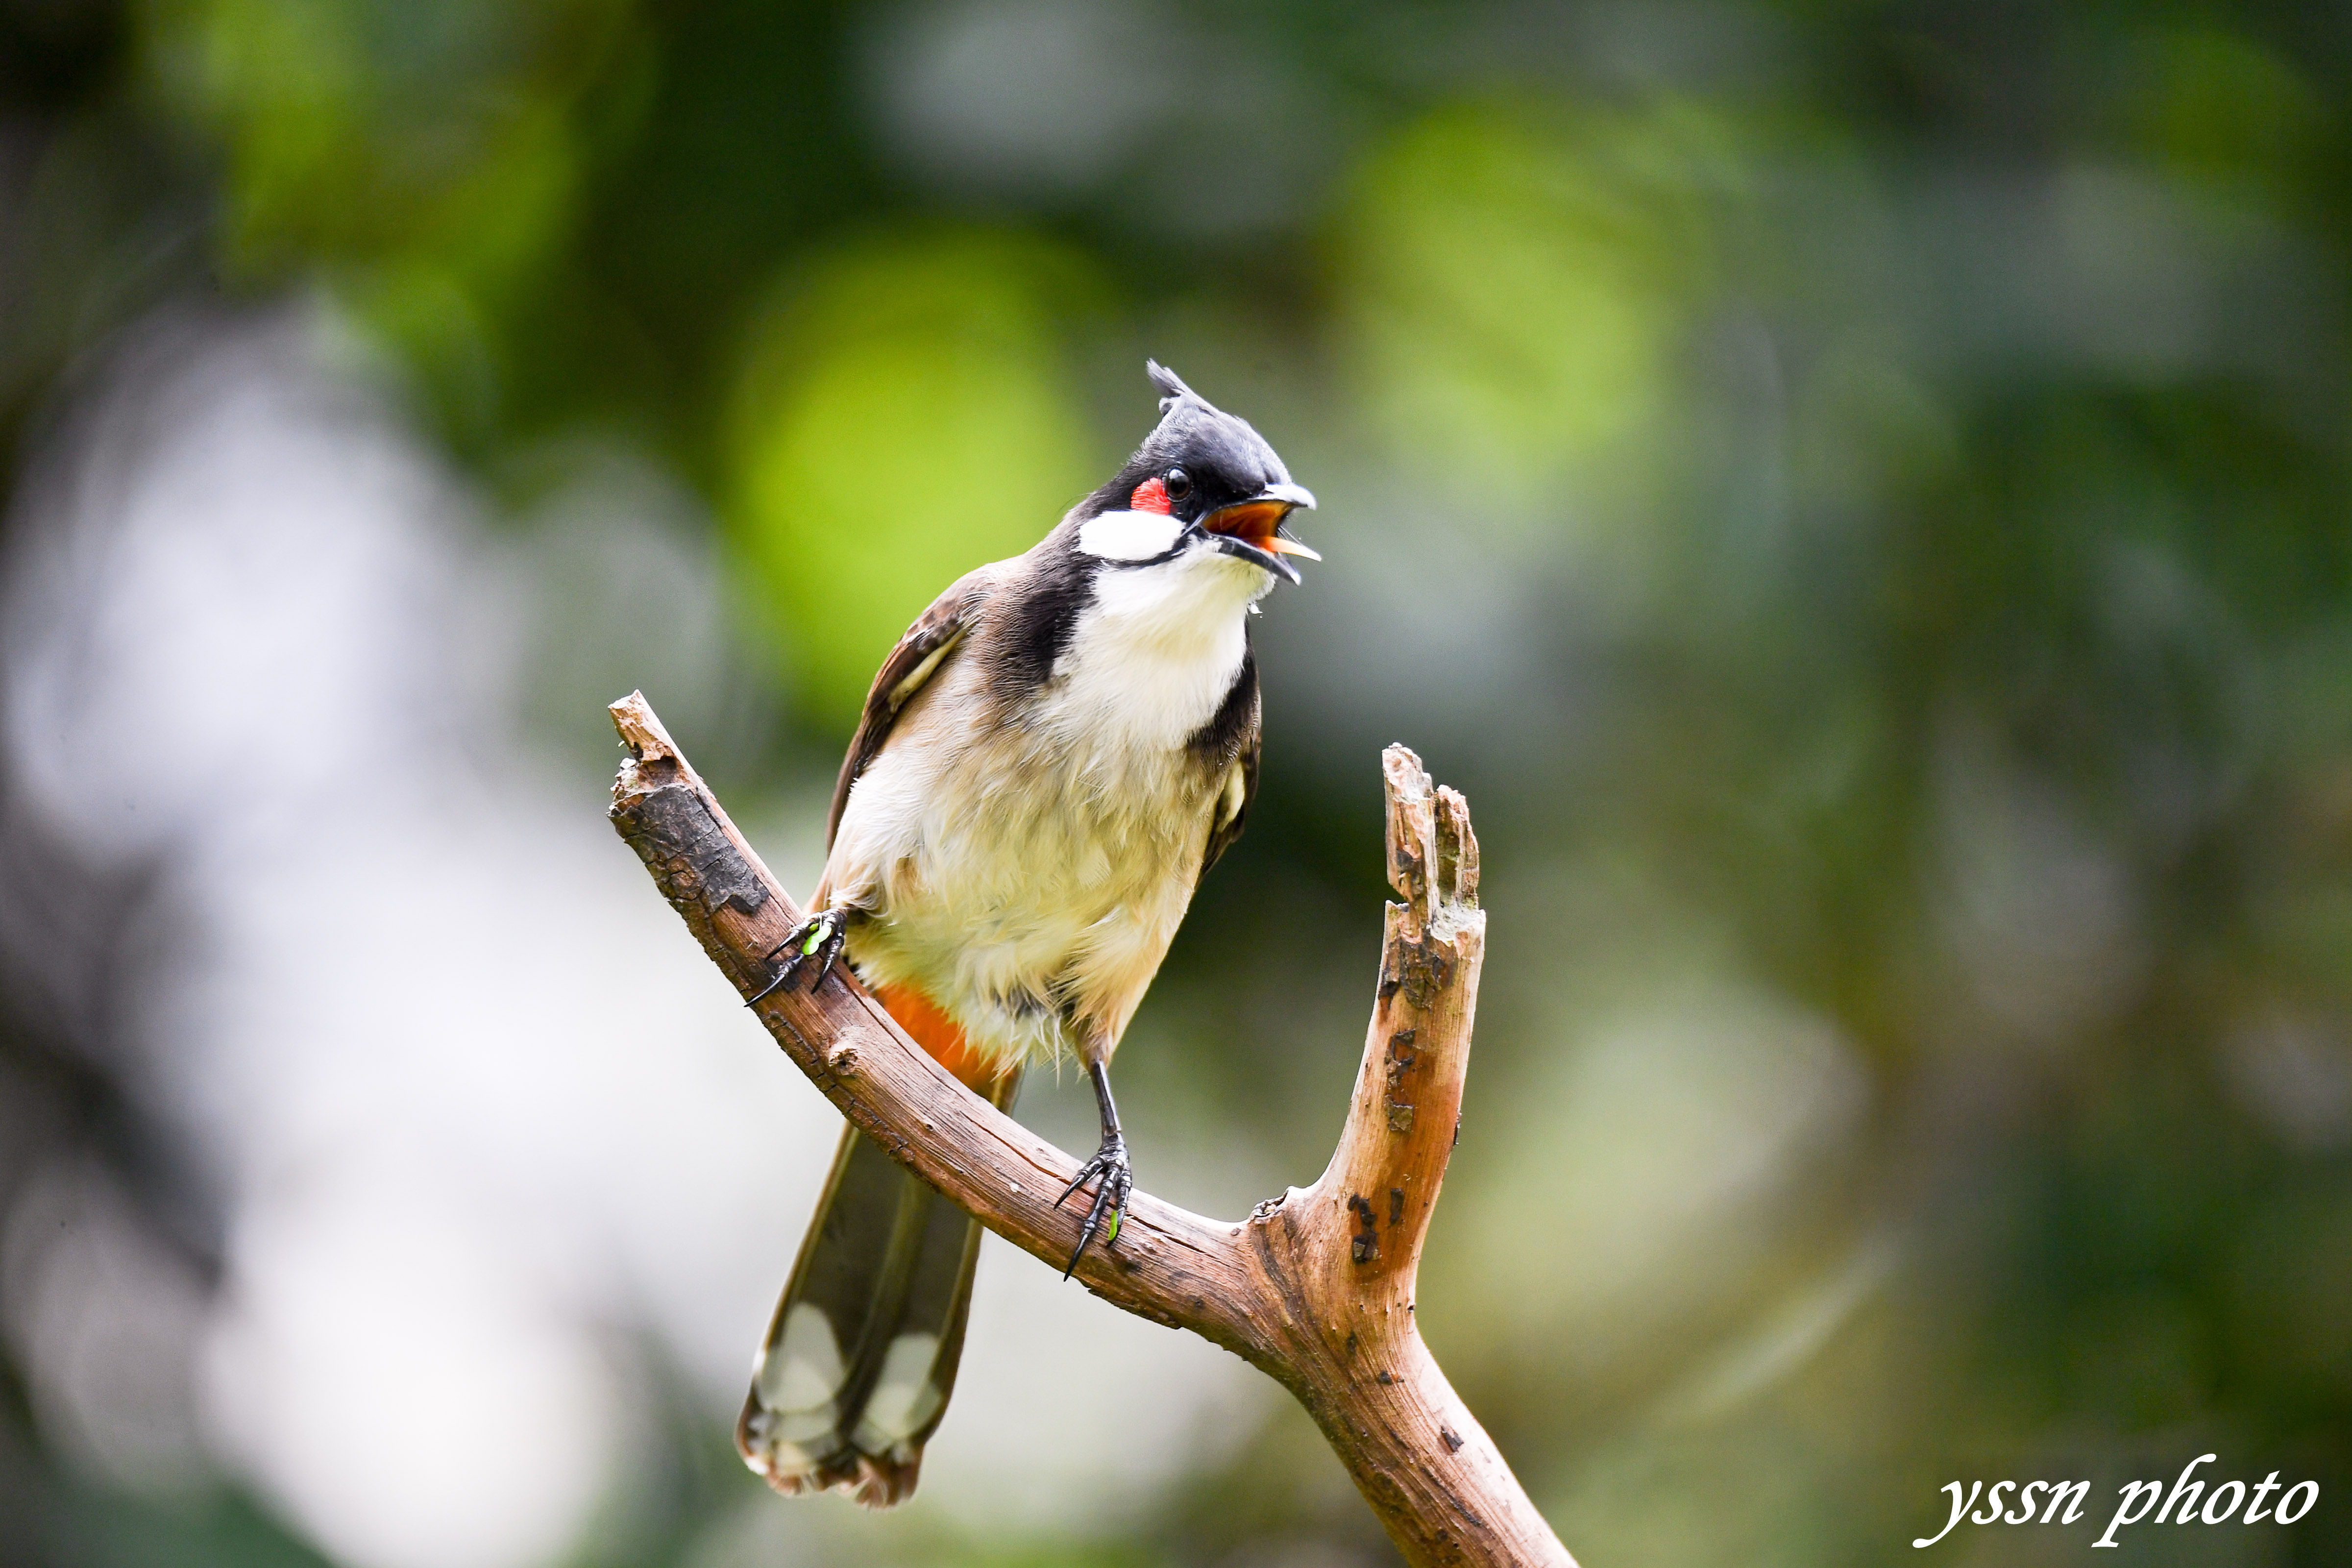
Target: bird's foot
pixel 819 937
pixel 1110 1169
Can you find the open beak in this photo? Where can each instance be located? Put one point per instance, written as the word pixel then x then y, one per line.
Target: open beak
pixel 1251 530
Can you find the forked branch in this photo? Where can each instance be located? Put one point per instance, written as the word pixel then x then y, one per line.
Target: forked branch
pixel 1316 1288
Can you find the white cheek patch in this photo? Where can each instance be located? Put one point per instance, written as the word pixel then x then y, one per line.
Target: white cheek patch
pixel 1129 535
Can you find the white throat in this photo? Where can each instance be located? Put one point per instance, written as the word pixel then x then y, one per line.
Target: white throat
pixel 1156 652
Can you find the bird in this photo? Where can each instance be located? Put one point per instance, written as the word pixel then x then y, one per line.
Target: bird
pixel 1048 764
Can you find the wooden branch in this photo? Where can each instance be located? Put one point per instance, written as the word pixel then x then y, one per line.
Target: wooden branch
pixel 1316 1288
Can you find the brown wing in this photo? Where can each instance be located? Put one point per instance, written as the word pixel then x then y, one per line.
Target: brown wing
pixel 1225 829
pixel 929 644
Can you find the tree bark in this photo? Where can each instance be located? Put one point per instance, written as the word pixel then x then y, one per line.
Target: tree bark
pixel 1315 1287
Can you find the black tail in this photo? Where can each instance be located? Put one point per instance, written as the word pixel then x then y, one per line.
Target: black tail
pixel 861 1356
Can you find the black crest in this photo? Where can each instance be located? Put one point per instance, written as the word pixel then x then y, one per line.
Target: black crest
pixel 1172 385
pixel 1225 458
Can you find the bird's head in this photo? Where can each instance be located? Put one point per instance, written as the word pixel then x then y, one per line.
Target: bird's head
pixel 1203 486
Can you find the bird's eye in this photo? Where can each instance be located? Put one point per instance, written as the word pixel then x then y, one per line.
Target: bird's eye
pixel 1180 484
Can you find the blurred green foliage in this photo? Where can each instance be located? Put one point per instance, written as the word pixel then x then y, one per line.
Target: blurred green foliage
pixel 427 158
pixel 906 414
pixel 1860 495
pixel 1512 291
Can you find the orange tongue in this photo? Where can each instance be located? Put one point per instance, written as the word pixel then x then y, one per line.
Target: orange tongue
pixel 1253 520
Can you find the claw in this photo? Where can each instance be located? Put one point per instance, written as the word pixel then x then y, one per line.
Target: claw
pixel 1109 1164
pixel 825 930
pixel 776 984
pixel 826 942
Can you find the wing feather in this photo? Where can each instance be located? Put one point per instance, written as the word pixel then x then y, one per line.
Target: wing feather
pixel 929 644
pixel 1225 826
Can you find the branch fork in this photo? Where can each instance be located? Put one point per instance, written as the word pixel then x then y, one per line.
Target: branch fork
pixel 1315 1287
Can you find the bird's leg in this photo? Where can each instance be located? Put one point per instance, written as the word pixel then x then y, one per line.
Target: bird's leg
pixel 1109 1164
pixel 819 936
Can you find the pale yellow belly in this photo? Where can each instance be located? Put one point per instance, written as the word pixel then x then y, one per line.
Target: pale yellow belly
pixel 1035 915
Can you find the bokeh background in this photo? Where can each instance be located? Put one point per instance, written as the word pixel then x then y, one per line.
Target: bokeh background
pixel 1859 495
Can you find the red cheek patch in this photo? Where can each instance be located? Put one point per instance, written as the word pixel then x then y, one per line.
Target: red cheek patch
pixel 1149 495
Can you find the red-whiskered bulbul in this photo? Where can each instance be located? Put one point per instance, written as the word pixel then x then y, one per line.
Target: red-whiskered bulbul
pixel 1049 762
